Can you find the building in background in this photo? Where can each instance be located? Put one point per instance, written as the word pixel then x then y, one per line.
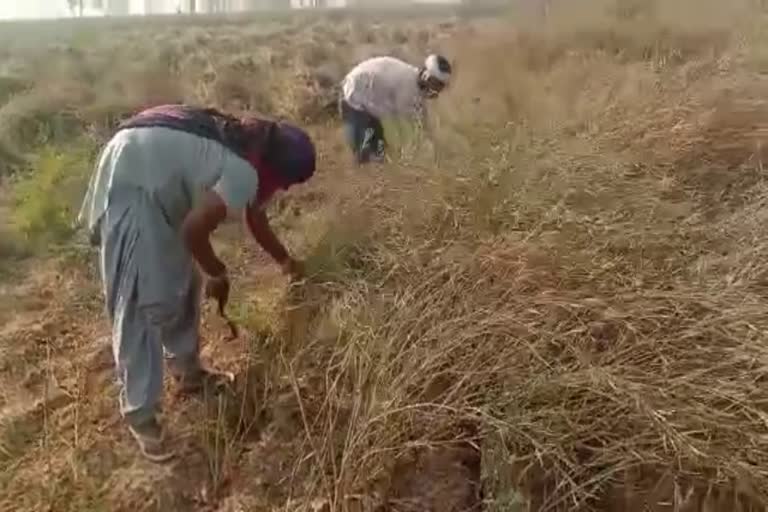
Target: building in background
pixel 103 7
pixel 218 6
pixel 114 7
pixel 221 6
pixel 142 7
pixel 155 6
pixel 297 4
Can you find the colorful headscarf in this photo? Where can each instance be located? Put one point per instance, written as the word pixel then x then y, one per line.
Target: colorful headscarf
pixel 291 153
pixel 283 153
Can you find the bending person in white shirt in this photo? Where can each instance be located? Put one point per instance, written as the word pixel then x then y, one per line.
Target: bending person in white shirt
pixel 386 87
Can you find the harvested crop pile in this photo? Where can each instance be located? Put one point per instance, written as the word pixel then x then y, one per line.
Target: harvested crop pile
pixel 592 372
pixel 593 304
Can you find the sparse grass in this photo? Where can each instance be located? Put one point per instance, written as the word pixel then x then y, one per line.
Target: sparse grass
pixel 571 278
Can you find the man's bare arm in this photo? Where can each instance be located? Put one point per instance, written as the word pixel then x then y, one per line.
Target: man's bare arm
pixel 258 224
pixel 197 228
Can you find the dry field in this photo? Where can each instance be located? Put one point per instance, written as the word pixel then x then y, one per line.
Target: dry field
pixel 558 303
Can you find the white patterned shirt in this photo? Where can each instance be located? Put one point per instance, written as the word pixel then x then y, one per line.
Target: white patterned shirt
pixel 385 87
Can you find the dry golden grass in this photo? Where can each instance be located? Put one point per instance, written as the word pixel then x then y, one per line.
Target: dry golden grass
pixel 563 299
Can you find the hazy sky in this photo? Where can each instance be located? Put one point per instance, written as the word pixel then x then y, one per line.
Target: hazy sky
pixel 10 9
pixel 33 8
pixel 60 8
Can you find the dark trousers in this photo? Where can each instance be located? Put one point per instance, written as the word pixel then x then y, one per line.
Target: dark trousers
pixel 364 132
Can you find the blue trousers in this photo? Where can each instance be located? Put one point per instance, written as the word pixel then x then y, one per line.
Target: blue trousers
pixel 364 132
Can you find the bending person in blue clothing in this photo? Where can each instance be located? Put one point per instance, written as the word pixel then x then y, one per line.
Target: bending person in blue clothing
pixel 163 183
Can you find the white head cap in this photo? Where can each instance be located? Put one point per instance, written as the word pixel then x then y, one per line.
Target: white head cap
pixel 438 67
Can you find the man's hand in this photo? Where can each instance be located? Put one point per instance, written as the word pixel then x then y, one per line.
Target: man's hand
pixel 218 288
pixel 293 268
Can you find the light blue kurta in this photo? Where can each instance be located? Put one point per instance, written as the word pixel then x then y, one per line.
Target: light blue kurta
pixel 144 185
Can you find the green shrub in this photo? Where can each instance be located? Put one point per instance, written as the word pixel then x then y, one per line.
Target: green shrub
pixel 404 138
pixel 10 85
pixel 46 198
